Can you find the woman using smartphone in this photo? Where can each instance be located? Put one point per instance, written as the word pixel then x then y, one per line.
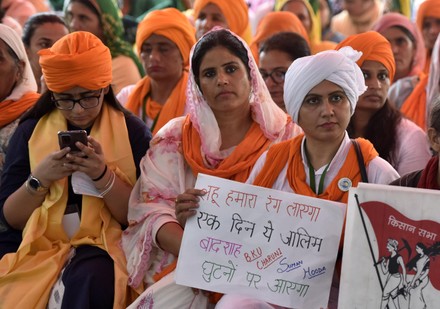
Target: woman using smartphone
pixel 69 255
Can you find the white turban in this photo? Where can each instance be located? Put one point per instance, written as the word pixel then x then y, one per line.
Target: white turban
pixel 338 67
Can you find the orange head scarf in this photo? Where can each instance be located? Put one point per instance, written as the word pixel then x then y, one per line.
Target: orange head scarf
pixel 275 22
pixel 79 59
pixel 179 30
pixel 428 8
pixel 374 47
pixel 235 11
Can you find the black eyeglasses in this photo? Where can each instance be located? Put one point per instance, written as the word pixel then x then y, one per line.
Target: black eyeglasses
pixel 276 75
pixel 85 102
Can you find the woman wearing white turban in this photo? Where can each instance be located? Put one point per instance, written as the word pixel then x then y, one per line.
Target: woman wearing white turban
pixel 320 93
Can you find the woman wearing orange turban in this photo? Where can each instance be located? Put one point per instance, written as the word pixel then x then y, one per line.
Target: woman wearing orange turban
pixel 229 14
pixel 164 39
pixel 428 22
pixel 103 19
pixel 71 206
pixel 310 20
pixel 275 22
pixel 397 139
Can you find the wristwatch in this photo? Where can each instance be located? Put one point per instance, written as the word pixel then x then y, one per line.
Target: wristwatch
pixel 35 184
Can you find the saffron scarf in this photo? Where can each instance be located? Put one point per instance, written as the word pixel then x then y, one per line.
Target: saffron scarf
pixel 414 106
pixel 237 166
pixel 44 250
pixel 428 179
pixel 10 110
pixel 235 12
pixel 275 22
pixel 173 107
pixel 427 8
pixel 289 152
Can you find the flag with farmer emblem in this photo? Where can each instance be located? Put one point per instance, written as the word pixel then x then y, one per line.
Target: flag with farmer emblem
pixel 391 255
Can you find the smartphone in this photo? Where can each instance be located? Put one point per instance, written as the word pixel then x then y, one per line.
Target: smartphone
pixel 69 138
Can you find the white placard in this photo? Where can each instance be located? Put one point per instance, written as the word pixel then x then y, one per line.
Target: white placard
pixel 275 246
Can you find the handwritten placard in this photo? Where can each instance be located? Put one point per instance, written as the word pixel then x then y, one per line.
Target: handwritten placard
pixel 275 246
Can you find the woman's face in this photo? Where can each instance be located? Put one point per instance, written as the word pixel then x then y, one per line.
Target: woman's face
pixel 224 81
pixel 10 71
pixel 273 68
pixel 45 35
pixel 357 8
pixel 325 113
pixel 403 50
pixel 419 250
pixel 209 17
pixel 78 116
pixel 430 31
pixel 298 8
pixel 324 13
pixel 80 18
pixel 161 58
pixel 378 82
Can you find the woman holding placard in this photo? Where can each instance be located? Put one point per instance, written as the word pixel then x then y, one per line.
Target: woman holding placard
pixel 320 93
pixel 232 120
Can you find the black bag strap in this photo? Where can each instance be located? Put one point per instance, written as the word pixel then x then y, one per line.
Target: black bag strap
pixel 360 159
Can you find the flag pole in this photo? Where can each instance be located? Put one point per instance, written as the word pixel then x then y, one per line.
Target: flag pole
pixel 369 242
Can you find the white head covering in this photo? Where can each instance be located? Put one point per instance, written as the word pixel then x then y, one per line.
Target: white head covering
pixel 338 67
pixel 272 120
pixel 433 88
pixel 27 83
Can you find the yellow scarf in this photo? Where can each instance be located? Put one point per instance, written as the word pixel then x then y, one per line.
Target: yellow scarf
pixel 28 275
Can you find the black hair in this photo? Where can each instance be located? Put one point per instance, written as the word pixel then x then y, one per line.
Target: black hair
pixel 45 105
pixel 37 20
pixel 217 38
pixel 290 43
pixel 407 33
pixel 382 131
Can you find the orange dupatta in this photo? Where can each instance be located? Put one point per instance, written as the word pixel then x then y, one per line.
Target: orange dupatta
pixel 173 107
pixel 10 110
pixel 237 166
pixel 414 106
pixel 289 152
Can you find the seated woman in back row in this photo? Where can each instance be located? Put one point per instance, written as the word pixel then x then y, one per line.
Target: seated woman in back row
pixel 398 140
pixel 164 39
pixel 232 120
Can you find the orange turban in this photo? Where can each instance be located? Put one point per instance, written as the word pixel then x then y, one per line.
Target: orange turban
pixel 78 59
pixel 275 22
pixel 235 11
pixel 173 25
pixel 428 8
pixel 374 47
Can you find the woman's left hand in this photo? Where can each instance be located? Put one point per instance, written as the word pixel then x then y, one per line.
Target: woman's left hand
pixel 90 160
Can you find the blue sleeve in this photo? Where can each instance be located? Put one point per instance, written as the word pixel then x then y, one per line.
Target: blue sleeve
pixel 140 137
pixel 16 171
